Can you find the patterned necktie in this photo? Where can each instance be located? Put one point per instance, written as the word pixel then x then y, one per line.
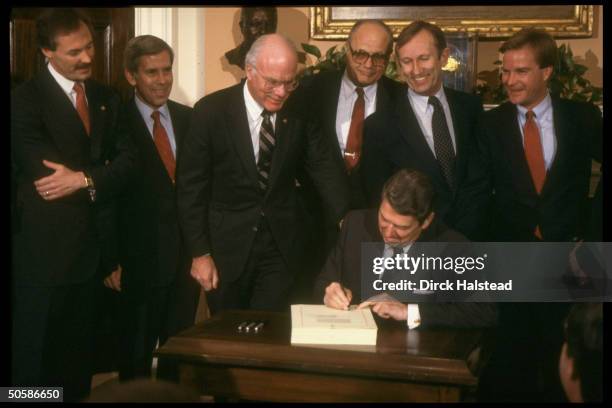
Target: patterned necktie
pixel 266 148
pixel 534 156
pixel 162 142
pixel 81 105
pixel 355 134
pixel 443 145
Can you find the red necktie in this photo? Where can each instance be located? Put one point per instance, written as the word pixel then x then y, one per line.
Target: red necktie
pixel 355 135
pixel 81 105
pixel 162 142
pixel 535 156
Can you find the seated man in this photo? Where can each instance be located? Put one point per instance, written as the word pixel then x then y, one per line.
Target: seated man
pixel 404 217
pixel 581 361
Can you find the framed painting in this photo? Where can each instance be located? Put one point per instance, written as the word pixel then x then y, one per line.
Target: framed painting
pixel 562 21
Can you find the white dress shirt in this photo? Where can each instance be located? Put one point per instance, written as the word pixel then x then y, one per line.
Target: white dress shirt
pixel 254 111
pixel 424 112
pixel 66 84
pixel 544 120
pixel 414 316
pixel 346 102
pixel 164 117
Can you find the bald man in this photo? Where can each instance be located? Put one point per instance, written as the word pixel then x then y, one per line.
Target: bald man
pixel 236 183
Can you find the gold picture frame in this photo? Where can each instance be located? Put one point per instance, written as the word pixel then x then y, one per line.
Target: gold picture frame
pixel 562 21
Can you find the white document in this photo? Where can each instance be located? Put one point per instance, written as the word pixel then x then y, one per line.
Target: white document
pixel 319 324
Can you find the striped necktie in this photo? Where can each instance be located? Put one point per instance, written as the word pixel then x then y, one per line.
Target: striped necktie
pixel 267 142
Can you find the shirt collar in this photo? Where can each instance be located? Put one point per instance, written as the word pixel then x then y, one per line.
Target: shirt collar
pixel 540 109
pixel 348 88
pixel 66 84
pixel 146 110
pixel 421 102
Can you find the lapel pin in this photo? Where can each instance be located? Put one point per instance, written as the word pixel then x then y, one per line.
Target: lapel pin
pixel 285 120
pixel 102 108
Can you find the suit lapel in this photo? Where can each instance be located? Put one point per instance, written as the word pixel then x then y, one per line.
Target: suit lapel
pixel 413 135
pixel 332 89
pixel 237 124
pixel 97 113
pixel 143 138
pixel 461 129
pixel 510 137
pixel 284 129
pixel 62 118
pixel 563 129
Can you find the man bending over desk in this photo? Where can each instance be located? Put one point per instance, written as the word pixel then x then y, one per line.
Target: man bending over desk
pixel 404 217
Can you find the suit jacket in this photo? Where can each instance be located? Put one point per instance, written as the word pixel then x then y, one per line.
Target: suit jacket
pixel 150 244
pixel 220 202
pixel 62 242
pixel 560 208
pixel 318 98
pixel 394 140
pixel 344 265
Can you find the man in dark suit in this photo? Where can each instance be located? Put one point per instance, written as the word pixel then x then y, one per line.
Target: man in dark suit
pixel 432 129
pixel 158 298
pixel 541 189
pixel 68 163
pixel 404 220
pixel 332 98
pixel 539 150
pixel 236 183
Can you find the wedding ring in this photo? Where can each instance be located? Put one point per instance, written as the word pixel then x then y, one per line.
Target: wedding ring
pixel 46 193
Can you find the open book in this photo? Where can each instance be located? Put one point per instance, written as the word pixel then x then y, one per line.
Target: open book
pixel 319 324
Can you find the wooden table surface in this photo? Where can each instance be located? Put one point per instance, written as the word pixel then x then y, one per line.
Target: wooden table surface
pixel 407 365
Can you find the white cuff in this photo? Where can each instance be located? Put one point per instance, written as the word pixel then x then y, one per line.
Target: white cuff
pixel 414 317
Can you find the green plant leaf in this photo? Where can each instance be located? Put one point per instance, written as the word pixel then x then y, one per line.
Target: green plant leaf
pixel 330 52
pixel 311 49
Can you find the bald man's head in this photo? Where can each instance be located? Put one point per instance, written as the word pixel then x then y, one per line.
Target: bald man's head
pixel 271 67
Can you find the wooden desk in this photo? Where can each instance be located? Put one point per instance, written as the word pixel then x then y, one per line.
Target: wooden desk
pixel 418 365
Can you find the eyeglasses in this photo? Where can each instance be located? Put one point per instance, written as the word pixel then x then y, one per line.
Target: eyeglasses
pixel 271 83
pixel 361 57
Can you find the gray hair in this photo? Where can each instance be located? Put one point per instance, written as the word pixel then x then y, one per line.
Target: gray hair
pixel 251 57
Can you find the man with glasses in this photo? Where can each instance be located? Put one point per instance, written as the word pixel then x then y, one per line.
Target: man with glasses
pixel 432 129
pixel 340 101
pixel 236 183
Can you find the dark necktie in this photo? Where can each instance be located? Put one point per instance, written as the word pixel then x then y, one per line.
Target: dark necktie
pixel 81 105
pixel 443 145
pixel 162 142
pixel 355 134
pixel 534 156
pixel 266 148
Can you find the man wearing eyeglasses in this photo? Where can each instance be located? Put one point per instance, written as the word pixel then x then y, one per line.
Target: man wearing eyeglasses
pixel 432 129
pixel 340 101
pixel 236 183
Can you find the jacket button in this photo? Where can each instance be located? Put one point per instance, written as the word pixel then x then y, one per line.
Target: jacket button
pixel 262 213
pixel 255 229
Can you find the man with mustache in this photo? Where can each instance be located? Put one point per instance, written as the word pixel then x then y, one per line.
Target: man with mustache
pixel 157 296
pixel 69 162
pixel 431 129
pixel 236 183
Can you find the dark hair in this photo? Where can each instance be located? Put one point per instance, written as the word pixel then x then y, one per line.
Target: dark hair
pixel 416 27
pixel 409 192
pixel 379 23
pixel 56 21
pixel 247 12
pixel 540 41
pixel 141 46
pixel 584 336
